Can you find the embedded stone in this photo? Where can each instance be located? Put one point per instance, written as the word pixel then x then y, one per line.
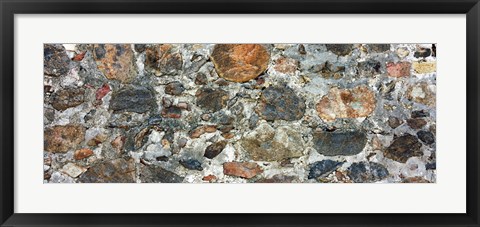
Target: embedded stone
pixel 191 164
pixel 323 168
pixel 82 153
pixel 419 113
pixel 163 60
pixel 379 48
pixel 416 123
pixel 369 68
pixel 67 98
pixel 201 79
pixel 423 67
pixel 426 137
pixel 133 99
pixel 339 143
pixel 242 169
pixel 286 65
pixel 415 180
pixel 403 147
pixel 364 172
pixel 62 138
pixel 422 53
pixel 115 61
pixel 212 99
pixel 340 49
pixel 399 69
pixel 422 93
pixel 215 149
pixel 172 112
pixel 209 178
pixel 346 103
pixel 55 60
pixel 240 62
pixel 111 171
pixel 174 88
pixel 394 122
pixel 200 130
pixel 73 170
pixel 278 178
pixel 268 144
pixel 280 103
pixel 153 174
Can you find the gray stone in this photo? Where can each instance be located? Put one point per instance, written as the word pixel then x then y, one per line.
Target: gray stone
pixel 67 98
pixel 152 174
pixel 365 172
pixel 133 99
pixel 339 143
pixel 323 168
pixel 280 103
pixel 55 60
pixel 340 49
pixel 112 171
pixel 212 99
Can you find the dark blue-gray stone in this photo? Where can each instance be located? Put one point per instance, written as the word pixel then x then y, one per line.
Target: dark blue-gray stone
pixel 339 143
pixel 364 172
pixel 323 168
pixel 280 103
pixel 133 99
pixel 191 164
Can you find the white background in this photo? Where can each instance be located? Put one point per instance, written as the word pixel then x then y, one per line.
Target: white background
pixel 447 195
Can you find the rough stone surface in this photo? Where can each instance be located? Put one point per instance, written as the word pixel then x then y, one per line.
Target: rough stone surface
pixel 424 67
pixel 241 169
pixel 133 99
pixel 240 62
pixel 82 153
pixel 346 103
pixel 426 137
pixel 116 61
pixel 67 98
pixel 163 60
pixel 112 171
pixel 322 168
pixel 364 172
pixel 280 103
pixel 340 49
pixel 151 174
pixel 339 143
pixel 403 147
pixel 399 69
pixel 62 138
pixel 422 93
pixel 55 60
pixel 212 99
pixel 215 149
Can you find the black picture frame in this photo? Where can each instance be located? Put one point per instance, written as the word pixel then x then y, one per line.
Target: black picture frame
pixel 10 7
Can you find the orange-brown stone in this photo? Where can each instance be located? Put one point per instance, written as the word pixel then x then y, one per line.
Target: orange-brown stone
pixel 163 60
pixel 82 153
pixel 240 62
pixel 62 138
pixel 346 103
pixel 286 65
pixel 115 61
pixel 422 93
pixel 241 169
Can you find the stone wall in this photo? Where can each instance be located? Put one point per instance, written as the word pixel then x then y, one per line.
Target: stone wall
pixel 239 113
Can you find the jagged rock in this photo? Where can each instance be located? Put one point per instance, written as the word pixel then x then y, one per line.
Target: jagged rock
pixel 67 98
pixel 241 169
pixel 115 61
pixel 323 168
pixel 364 172
pixel 280 103
pixel 62 138
pixel 346 103
pixel 215 149
pixel 403 147
pixel 152 174
pixel 163 60
pixel 111 171
pixel 55 60
pixel 212 99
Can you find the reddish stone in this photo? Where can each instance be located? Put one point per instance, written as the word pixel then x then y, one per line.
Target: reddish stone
pixel 79 57
pixel 62 138
pixel 102 91
pixel 400 69
pixel 346 103
pixel 118 142
pixel 115 61
pixel 415 180
pixel 197 132
pixel 286 65
pixel 209 178
pixel 240 62
pixel 82 153
pixel 241 169
pixel 172 112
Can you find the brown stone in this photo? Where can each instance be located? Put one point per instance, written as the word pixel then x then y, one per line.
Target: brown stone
pixel 340 49
pixel 82 153
pixel 424 67
pixel 346 103
pixel 280 103
pixel 172 112
pixel 212 99
pixel 200 130
pixel 115 61
pixel 422 93
pixel 394 122
pixel 98 139
pixel 209 178
pixel 415 180
pixel 278 178
pixel 399 69
pixel 67 98
pixel 215 149
pixel 163 60
pixel 118 142
pixel 241 169
pixel 62 138
pixel 111 171
pixel 240 62
pixel 286 65
pixel 55 60
pixel 416 123
pixel 403 147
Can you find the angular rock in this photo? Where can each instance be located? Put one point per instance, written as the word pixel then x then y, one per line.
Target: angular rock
pixel 379 48
pixel 102 91
pixel 346 103
pixel 416 123
pixel 212 99
pixel 422 53
pixel 415 180
pixel 323 168
pixel 55 60
pixel 369 68
pixel 62 138
pixel 268 144
pixel 209 178
pixel 174 88
pixel 403 147
pixel 286 65
pixel 340 49
pixel 240 62
pixel 200 130
pixel 115 61
pixel 73 170
pixel 402 52
pixel 422 93
pixel 280 103
pixel 215 149
pixel 365 172
pixel 67 98
pixel 394 122
pixel 140 47
pixel 242 169
pixel 339 143
pixel 163 60
pixel 172 112
pixel 399 69
pixel 82 153
pixel 423 67
pixel 191 164
pixel 152 174
pixel 133 99
pixel 111 171
pixel 201 79
pixel 426 137
pixel 419 114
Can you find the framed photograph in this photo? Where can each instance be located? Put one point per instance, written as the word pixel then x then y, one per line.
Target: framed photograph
pixel 259 113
